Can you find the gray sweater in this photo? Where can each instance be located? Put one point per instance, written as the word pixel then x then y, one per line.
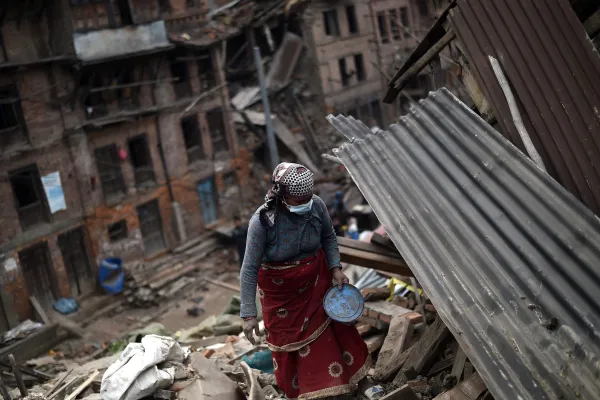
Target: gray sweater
pixel 292 238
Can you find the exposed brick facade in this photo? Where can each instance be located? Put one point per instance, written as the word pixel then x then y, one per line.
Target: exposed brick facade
pixel 68 113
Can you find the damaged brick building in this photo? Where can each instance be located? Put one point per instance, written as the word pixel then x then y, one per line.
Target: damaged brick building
pixel 115 140
pixel 120 132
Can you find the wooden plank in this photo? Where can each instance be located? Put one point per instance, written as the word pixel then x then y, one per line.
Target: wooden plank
pixel 39 310
pixel 83 386
pixel 440 366
pixel 384 241
pixel 33 345
pixel 426 348
pixel 4 390
pixel 368 247
pixel 459 364
pixel 396 342
pixel 225 285
pixel 18 376
pixel 375 261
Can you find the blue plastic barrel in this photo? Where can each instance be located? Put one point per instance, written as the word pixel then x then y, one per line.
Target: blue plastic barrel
pixel 111 275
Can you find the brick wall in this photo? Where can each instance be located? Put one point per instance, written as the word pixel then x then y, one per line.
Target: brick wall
pixel 15 287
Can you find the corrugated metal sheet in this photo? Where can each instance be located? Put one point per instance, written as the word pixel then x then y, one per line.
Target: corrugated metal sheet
pixel 553 69
pixel 510 259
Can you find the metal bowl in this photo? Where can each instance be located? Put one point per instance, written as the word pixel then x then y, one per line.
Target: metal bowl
pixel 344 305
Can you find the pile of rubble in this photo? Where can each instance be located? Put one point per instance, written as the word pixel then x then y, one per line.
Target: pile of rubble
pixel 150 284
pixel 416 356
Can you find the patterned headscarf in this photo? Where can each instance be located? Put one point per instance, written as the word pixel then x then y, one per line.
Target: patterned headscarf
pixel 289 180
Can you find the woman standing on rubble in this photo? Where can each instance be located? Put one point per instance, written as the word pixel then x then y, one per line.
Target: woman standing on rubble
pixel 293 256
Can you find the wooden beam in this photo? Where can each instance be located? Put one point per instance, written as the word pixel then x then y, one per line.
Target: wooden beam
pixel 39 310
pixel 377 261
pixel 426 348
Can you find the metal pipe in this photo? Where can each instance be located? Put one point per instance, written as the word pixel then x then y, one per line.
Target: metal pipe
pixel 274 155
pixel 516 115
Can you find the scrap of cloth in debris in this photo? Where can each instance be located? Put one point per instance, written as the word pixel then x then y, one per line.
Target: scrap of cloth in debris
pixel 136 375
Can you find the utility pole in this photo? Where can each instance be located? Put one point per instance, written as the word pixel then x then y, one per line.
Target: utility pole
pixel 271 142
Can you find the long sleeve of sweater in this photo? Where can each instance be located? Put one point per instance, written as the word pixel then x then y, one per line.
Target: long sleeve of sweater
pixel 255 249
pixel 328 238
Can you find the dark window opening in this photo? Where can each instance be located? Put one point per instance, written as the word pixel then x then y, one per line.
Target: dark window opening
pixel 382 25
pixel 164 6
pixel 129 96
pixel 192 138
pixel 423 8
pixel 29 196
pixel 193 3
pixel 359 67
pixel 181 75
pixel 109 168
pixel 151 227
pixel 12 125
pixel 206 73
pixel 139 153
pixel 216 127
pixel 352 23
pixel 125 11
pixel 377 113
pixel 344 75
pixel 117 231
pixel 404 17
pixel 332 27
pixel 110 89
pixel 395 27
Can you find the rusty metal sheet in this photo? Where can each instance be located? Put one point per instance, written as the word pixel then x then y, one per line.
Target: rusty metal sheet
pixel 553 70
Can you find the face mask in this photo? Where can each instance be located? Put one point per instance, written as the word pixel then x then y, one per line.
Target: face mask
pixel 301 209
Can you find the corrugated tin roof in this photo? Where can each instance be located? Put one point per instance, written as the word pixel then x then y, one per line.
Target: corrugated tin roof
pixel 510 259
pixel 553 69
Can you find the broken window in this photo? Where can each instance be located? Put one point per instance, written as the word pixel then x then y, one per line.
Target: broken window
pixel 117 231
pixel 332 27
pixel 359 67
pixel 394 26
pixel 383 29
pixel 109 168
pixel 192 138
pixel 352 23
pixel 181 75
pixel 344 75
pixel 29 196
pixel 206 72
pixel 139 153
pixel 11 115
pixel 216 127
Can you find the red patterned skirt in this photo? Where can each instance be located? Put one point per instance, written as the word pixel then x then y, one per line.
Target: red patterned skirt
pixel 313 356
